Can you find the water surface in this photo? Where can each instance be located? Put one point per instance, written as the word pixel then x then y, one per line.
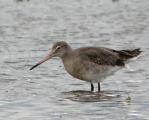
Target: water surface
pixel 28 28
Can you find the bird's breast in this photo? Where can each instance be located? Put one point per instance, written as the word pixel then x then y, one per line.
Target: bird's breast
pixel 74 67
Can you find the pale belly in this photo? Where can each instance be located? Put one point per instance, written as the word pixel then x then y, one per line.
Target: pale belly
pixel 90 72
pixel 100 73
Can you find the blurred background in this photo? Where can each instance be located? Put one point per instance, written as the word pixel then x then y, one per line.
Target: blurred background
pixel 28 29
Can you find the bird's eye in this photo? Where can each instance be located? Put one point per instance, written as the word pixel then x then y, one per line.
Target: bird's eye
pixel 58 47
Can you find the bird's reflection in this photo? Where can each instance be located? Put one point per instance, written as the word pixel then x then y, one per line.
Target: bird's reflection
pixel 88 96
pixel 22 0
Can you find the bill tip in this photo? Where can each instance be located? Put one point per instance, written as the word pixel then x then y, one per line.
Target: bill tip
pixel 34 66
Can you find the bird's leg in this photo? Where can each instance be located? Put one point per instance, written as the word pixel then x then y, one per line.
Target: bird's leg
pixel 98 86
pixel 92 87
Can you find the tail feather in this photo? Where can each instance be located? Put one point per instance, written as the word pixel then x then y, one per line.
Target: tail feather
pixel 128 54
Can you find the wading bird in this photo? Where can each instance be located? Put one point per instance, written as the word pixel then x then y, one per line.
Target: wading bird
pixel 91 64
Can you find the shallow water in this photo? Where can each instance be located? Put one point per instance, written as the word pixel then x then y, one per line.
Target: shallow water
pixel 28 29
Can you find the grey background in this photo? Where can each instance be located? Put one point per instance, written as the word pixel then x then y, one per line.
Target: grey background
pixel 27 31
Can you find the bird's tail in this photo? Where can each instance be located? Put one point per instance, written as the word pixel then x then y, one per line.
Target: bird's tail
pixel 128 54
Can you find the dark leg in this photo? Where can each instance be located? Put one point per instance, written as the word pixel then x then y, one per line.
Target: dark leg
pixel 98 86
pixel 92 87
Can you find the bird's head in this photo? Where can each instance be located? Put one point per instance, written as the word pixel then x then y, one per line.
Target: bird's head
pixel 59 49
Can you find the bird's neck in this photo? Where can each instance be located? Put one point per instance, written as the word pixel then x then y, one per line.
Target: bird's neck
pixel 67 54
pixel 68 62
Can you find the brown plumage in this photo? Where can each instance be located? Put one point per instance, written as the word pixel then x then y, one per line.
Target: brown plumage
pixel 90 64
pixel 128 54
pixel 100 56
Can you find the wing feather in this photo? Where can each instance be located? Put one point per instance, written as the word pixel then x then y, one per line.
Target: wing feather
pixel 100 56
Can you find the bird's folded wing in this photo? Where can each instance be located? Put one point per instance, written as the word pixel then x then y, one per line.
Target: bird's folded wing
pixel 101 56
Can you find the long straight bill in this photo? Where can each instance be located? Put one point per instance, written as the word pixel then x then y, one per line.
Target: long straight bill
pixel 49 56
